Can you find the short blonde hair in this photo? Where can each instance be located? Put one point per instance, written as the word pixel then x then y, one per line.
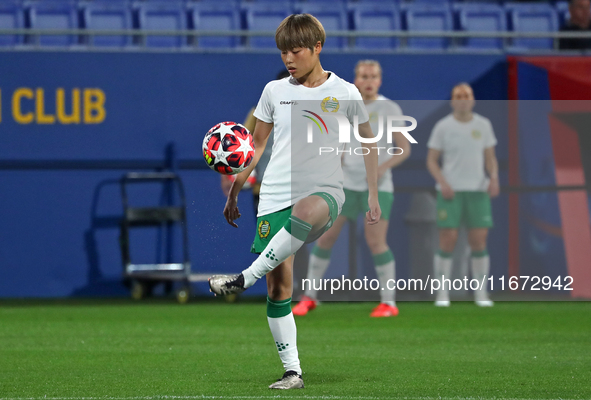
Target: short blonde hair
pixel 367 62
pixel 299 30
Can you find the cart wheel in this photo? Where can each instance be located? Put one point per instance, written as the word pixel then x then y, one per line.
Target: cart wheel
pixel 138 290
pixel 182 295
pixel 231 298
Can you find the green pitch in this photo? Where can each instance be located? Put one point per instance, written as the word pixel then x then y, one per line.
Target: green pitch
pixel 150 350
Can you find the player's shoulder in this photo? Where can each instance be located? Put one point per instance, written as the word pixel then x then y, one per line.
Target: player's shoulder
pixel 444 122
pixel 340 83
pixel 277 83
pixel 393 107
pixel 481 119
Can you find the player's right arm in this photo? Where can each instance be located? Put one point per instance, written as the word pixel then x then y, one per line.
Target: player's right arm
pixel 261 134
pixel 433 167
pixel 371 169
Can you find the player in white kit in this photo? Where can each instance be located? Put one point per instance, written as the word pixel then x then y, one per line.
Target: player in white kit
pixel 302 190
pixel 466 142
pixel 368 79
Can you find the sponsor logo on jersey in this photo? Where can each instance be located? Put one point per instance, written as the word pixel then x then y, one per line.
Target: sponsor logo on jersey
pixel 330 104
pixel 476 134
pixel 442 215
pixel 264 229
pixel 288 103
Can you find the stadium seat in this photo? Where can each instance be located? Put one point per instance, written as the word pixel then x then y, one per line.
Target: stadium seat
pixel 481 18
pixel 108 16
pixel 265 17
pixel 435 2
pixel 428 18
pixel 533 18
pixel 332 16
pixel 562 12
pixel 215 16
pixel 11 17
pixel 376 17
pixel 163 16
pixel 54 15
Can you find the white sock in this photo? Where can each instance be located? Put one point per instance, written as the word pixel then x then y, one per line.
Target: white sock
pixel 442 270
pixel 278 250
pixel 317 266
pixel 386 271
pixel 284 334
pixel 480 269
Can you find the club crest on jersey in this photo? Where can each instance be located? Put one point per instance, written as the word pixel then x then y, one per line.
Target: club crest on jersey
pixel 264 229
pixel 330 104
pixel 476 134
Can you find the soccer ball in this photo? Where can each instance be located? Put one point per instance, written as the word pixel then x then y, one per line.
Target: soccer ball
pixel 228 148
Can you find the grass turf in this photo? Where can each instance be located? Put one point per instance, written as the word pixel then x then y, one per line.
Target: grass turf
pixel 123 349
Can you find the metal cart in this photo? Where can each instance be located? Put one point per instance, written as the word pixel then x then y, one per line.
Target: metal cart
pixel 143 277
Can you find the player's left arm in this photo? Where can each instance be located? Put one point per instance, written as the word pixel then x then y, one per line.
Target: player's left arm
pixel 397 159
pixel 492 168
pixel 371 170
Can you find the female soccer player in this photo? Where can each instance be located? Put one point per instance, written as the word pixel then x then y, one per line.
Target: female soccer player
pixel 302 190
pixel 368 79
pixel 467 143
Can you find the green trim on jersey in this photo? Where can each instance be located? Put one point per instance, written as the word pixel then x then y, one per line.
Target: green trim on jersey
pixel 470 208
pixel 278 309
pixel 268 225
pixel 356 203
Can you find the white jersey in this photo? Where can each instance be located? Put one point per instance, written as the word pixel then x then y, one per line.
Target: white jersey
pixel 462 147
pixel 353 163
pixel 296 168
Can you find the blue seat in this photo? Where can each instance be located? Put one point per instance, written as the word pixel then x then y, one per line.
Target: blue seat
pixel 223 16
pixel 563 12
pixel 353 3
pixel 11 17
pixel 324 2
pixel 533 18
pixel 481 18
pixel 432 2
pixel 376 17
pixel 108 16
pixel 163 16
pixel 54 15
pixel 265 16
pixel 332 16
pixel 428 18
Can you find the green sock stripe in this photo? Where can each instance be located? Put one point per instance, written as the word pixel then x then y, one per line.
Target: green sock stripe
pixel 298 228
pixel 321 253
pixel 384 258
pixel 478 254
pixel 278 309
pixel 444 254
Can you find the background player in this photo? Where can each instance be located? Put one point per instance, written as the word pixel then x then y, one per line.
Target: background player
pixel 298 200
pixel 368 79
pixel 467 142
